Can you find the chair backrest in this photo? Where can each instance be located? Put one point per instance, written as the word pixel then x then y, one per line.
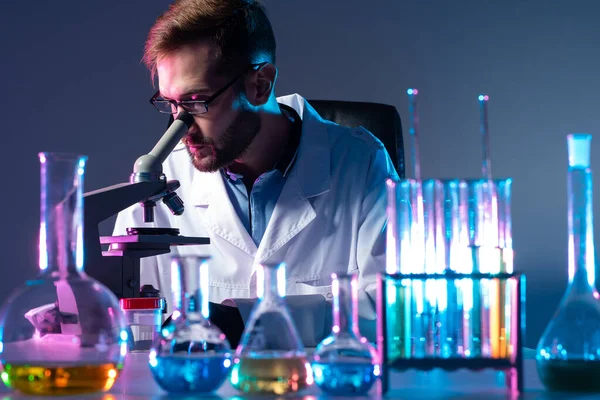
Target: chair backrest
pixel 382 120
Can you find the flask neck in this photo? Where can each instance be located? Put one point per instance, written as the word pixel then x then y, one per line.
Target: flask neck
pixel 345 306
pixel 581 236
pixel 189 285
pixel 270 280
pixel 61 214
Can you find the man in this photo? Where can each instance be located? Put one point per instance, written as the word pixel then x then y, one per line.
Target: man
pixel 265 178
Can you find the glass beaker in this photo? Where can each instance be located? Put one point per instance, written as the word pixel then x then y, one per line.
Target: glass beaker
pixel 192 355
pixel 568 354
pixel 62 333
pixel 270 358
pixel 345 363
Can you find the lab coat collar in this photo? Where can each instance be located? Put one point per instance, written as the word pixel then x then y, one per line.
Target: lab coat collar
pixel 309 177
pixel 312 166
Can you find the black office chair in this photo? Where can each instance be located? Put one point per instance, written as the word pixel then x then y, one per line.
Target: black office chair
pixel 382 120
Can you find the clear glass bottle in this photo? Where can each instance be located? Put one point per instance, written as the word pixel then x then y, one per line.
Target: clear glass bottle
pixel 144 317
pixel 270 358
pixel 192 355
pixel 62 333
pixel 345 363
pixel 568 354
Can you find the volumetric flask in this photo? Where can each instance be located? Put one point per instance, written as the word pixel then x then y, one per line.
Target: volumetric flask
pixel 270 358
pixel 191 356
pixel 62 333
pixel 568 354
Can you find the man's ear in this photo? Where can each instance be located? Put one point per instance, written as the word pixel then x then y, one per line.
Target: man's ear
pixel 260 84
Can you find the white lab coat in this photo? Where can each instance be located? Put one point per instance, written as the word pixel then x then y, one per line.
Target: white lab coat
pixel 330 217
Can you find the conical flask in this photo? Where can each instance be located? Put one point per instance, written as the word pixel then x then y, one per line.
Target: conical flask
pixel 568 354
pixel 192 355
pixel 270 358
pixel 62 333
pixel 345 363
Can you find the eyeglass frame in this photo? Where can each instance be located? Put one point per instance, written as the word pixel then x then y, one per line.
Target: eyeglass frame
pixel 184 103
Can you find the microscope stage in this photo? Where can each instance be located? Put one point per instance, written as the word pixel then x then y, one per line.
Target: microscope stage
pixel 147 245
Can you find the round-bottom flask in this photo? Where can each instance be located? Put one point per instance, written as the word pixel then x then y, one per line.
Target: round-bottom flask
pixel 568 354
pixel 192 355
pixel 270 358
pixel 345 363
pixel 62 333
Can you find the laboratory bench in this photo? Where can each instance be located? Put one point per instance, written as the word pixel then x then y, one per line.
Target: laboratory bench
pixel 136 382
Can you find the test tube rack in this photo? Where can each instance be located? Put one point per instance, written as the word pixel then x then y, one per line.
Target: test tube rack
pixel 511 362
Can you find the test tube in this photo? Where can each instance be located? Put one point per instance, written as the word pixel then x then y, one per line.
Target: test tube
pixel 503 193
pixel 399 254
pixel 435 294
pixel 440 285
pixel 457 259
pixel 398 299
pixel 418 252
pixel 417 231
pixel 504 205
pixel 474 307
pixel 497 241
pixel 461 261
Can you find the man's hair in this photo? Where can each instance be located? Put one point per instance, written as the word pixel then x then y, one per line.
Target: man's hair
pixel 240 29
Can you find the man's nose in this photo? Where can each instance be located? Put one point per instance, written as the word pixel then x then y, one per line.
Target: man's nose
pixel 193 131
pixel 178 111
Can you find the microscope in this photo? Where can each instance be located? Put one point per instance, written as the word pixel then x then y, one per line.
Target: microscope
pixel 119 267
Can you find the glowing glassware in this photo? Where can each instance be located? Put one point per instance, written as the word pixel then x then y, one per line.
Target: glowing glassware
pixel 465 228
pixel 490 241
pixel 62 333
pixel 568 354
pixel 476 311
pixel 344 362
pixel 191 356
pixel 270 358
pixel 500 329
pixel 454 249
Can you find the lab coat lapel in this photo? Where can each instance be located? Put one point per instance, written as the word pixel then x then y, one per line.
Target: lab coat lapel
pixel 210 197
pixel 309 177
pixel 292 213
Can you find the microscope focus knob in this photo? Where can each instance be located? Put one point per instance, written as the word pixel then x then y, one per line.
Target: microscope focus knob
pixel 174 203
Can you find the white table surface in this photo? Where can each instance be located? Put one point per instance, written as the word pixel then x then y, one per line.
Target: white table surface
pixel 136 382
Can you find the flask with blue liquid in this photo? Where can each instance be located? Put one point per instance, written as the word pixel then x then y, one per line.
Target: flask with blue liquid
pixel 191 355
pixel 345 363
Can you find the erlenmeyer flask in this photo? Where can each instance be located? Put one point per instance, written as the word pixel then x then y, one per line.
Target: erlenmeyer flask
pixel 270 358
pixel 62 333
pixel 568 354
pixel 192 355
pixel 345 363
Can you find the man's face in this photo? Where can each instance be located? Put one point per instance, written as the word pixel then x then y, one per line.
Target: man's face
pixel 223 134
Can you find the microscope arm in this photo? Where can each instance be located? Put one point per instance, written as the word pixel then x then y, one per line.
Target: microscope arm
pixel 104 203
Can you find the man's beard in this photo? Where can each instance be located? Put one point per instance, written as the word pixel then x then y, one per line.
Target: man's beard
pixel 229 147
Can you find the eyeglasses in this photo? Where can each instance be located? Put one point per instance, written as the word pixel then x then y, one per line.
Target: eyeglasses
pixel 196 107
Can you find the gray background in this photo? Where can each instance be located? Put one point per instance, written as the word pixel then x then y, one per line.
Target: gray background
pixel 72 81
